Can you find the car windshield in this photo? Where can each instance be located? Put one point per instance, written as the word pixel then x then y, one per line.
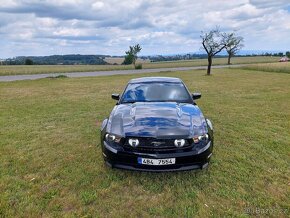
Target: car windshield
pixel 156 92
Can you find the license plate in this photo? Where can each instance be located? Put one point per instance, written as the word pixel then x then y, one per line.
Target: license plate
pixel 148 161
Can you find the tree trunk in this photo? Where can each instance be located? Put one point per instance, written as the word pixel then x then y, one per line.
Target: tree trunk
pixel 209 59
pixel 229 59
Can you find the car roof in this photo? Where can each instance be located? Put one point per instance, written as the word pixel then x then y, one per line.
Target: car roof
pixel 155 79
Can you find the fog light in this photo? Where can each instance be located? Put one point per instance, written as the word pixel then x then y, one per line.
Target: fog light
pixel 134 142
pixel 112 138
pixel 204 137
pixel 179 142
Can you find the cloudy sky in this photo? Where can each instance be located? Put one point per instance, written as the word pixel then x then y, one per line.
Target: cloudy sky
pixel 45 27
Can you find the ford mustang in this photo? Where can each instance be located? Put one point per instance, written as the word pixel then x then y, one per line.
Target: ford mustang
pixel 156 125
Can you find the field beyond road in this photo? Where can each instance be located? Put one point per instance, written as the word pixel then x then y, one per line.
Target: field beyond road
pixel 41 69
pixel 283 67
pixel 51 161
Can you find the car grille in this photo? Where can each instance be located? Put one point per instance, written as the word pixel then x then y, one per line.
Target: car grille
pixel 152 144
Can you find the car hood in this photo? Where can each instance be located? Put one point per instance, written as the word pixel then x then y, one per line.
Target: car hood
pixel 158 120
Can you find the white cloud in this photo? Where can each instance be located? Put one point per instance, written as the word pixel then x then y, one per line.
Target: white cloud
pixel 33 27
pixel 98 5
pixel 68 32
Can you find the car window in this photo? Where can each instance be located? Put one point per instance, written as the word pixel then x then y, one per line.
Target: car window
pixel 155 92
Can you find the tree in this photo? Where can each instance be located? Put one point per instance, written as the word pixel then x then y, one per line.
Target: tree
pixel 131 55
pixel 233 45
pixel 28 61
pixel 288 54
pixel 128 59
pixel 213 42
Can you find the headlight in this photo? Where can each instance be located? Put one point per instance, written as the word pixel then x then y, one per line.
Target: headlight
pixel 179 142
pixel 204 138
pixel 209 123
pixel 112 138
pixel 133 142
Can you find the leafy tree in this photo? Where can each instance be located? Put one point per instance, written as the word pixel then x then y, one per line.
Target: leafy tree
pixel 128 59
pixel 213 42
pixel 28 61
pixel 288 54
pixel 233 45
pixel 131 55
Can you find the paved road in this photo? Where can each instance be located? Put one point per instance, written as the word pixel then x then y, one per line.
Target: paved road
pixel 104 73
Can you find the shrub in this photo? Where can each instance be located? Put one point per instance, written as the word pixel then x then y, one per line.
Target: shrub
pixel 58 76
pixel 138 66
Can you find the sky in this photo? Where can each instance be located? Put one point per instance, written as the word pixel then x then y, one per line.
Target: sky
pixel 47 27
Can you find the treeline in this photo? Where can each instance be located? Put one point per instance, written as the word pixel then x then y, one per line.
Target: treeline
pixel 174 57
pixel 74 59
pixel 100 59
pixel 279 54
pixel 202 56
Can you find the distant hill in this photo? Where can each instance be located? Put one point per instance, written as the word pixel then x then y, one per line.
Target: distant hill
pixel 77 59
pixel 72 59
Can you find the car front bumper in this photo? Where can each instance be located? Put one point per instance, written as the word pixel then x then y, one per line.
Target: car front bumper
pixel 184 160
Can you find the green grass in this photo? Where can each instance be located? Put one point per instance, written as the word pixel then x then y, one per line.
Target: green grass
pixel 51 162
pixel 38 69
pixel 281 67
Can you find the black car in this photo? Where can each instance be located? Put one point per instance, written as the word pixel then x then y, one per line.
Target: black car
pixel 157 126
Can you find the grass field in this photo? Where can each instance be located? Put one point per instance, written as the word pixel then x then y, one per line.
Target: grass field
pixel 51 163
pixel 120 60
pixel 283 67
pixel 38 69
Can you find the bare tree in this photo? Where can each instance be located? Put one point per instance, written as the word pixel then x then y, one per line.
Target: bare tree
pixel 233 45
pixel 213 42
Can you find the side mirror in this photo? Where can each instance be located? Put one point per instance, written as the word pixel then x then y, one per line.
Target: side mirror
pixel 115 96
pixel 196 95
